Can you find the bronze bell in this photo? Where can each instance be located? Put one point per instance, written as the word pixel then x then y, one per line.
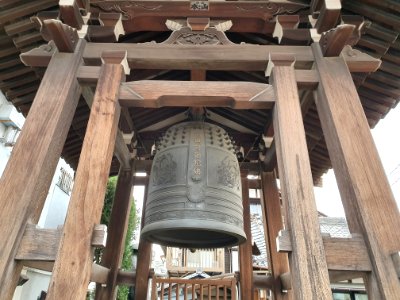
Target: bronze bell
pixel 195 194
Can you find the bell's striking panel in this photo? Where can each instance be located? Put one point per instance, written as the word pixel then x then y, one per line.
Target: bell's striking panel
pixel 195 193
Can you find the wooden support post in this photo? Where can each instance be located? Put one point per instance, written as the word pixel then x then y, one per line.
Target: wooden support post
pixel 73 265
pixel 113 253
pixel 273 223
pixel 144 258
pixel 366 195
pixel 245 249
pixel 307 261
pixel 27 177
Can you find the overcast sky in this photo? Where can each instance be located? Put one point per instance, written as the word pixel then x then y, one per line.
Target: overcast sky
pixel 386 136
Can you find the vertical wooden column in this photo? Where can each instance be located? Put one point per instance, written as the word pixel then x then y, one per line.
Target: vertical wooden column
pixel 27 177
pixel 73 264
pixel 144 257
pixel 272 218
pixel 308 266
pixel 366 195
pixel 245 249
pixel 114 251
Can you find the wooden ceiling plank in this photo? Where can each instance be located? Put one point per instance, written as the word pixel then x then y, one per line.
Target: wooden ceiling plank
pixel 229 123
pixel 25 10
pixel 166 122
pixel 19 26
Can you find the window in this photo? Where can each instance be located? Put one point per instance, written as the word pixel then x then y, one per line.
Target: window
pixel 65 181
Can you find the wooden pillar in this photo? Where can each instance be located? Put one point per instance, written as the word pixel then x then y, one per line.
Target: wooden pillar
pixel 30 169
pixel 366 195
pixel 114 251
pixel 144 257
pixel 307 260
pixel 73 264
pixel 245 249
pixel 272 218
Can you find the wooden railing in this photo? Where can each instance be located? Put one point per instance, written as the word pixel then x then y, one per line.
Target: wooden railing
pixel 193 289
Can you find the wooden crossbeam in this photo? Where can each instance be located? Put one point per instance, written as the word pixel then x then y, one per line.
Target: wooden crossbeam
pixel 183 57
pixel 342 254
pixel 158 93
pixel 306 79
pixel 41 244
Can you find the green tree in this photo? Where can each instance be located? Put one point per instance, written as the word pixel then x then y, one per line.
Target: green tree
pixel 133 222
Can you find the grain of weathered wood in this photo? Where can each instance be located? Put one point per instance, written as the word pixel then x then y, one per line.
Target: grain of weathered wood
pixel 342 254
pixel 245 249
pixel 112 255
pixel 273 223
pixel 28 174
pixel 307 260
pixel 366 195
pixel 38 244
pixel 121 151
pixel 72 268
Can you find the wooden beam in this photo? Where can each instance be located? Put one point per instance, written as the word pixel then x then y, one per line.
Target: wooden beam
pixel 70 14
pixel 328 15
pixel 333 41
pixel 245 249
pixel 72 268
pixel 159 93
pixel 307 260
pixel 144 256
pixel 342 254
pixel 273 223
pixel 306 79
pixel 369 204
pixel 28 174
pixel 113 253
pixel 128 278
pixel 41 244
pixel 65 37
pixel 182 57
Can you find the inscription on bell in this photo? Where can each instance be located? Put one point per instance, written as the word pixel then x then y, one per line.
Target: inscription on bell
pixel 196 157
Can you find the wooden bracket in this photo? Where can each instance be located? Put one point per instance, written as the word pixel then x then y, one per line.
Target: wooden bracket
pixel 70 14
pixel 333 41
pixel 112 20
pixel 329 15
pixel 116 57
pixel 342 254
pixel 198 24
pixel 65 37
pixel 279 59
pixel 287 32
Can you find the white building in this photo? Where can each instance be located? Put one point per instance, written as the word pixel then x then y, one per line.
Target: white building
pixel 56 205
